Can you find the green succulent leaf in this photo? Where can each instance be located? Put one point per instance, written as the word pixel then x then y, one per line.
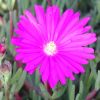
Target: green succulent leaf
pixel 97 83
pixel 21 81
pixel 1 95
pixel 58 93
pixel 17 76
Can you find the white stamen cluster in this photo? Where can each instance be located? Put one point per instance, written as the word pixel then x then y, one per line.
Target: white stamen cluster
pixel 50 48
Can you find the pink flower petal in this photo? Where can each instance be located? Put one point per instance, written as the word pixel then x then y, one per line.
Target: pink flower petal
pixel 52 18
pixel 63 67
pixel 31 18
pixel 46 72
pixel 60 74
pixel 53 78
pixel 79 60
pixel 63 22
pixel 76 49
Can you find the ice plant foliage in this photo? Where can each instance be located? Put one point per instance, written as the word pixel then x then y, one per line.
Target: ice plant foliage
pixel 57 44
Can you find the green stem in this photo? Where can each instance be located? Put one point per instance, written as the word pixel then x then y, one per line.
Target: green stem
pixel 6 88
pixel 11 23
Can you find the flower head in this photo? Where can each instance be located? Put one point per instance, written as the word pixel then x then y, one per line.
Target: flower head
pixel 5 72
pixel 2 52
pixel 58 43
pixel 2 48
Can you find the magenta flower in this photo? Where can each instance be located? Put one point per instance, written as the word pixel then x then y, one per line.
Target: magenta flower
pixel 56 44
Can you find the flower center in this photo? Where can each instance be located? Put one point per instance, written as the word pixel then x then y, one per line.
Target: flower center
pixel 50 48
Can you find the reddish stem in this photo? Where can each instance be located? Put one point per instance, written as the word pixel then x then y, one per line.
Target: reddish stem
pixel 17 97
pixel 92 94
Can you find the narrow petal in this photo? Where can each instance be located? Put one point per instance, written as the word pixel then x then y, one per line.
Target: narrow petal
pixel 43 65
pixel 76 49
pixel 64 39
pixel 63 67
pixel 40 15
pixel 79 60
pixel 49 21
pixel 41 18
pixel 63 22
pixel 86 29
pixel 71 64
pixel 37 62
pixel 30 30
pixel 70 25
pixel 31 18
pixel 27 57
pixel 83 55
pixel 60 74
pixel 29 50
pixel 82 43
pixel 67 65
pixel 30 58
pixel 83 37
pixel 46 71
pixel 30 68
pixel 77 65
pixel 81 23
pixel 53 78
pixel 52 18
pixel 31 71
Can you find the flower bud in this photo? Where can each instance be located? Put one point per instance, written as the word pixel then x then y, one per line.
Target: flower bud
pixel 5 72
pixel 2 52
pixel 1 21
pixel 2 48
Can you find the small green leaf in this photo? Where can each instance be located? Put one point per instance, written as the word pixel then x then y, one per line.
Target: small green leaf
pixel 98 5
pixel 74 5
pixel 77 96
pixel 13 3
pixel 10 4
pixel 24 4
pixel 14 17
pixel 89 81
pixel 37 77
pixel 93 68
pixel 58 93
pixel 16 76
pixel 58 2
pixel 68 3
pixel 44 91
pixel 53 1
pixel 14 68
pixel 63 2
pixel 97 83
pixel 21 81
pixel 34 95
pixel 12 91
pixel 44 3
pixel 81 87
pixel 1 95
pixel 71 90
